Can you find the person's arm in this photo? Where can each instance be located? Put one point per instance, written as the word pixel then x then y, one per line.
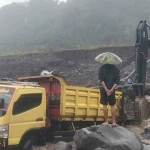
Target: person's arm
pixel 104 86
pixel 101 79
pixel 114 86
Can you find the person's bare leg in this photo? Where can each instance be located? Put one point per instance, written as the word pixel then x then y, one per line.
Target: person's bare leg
pixel 105 111
pixel 113 115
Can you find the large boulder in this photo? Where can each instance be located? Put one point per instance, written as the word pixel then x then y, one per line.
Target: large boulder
pixel 107 138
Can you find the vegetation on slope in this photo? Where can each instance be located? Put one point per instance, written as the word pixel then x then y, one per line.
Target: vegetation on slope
pixel 45 25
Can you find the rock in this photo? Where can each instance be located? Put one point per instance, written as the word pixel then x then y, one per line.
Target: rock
pixel 83 65
pixel 106 138
pixel 62 146
pixel 68 147
pixel 146 133
pixel 126 73
pixel 147 129
pixel 75 148
pixel 70 63
pixel 100 149
pixel 147 147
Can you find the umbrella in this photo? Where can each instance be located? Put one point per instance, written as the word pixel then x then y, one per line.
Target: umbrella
pixel 108 58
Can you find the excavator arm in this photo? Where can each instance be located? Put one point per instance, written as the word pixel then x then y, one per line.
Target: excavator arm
pixel 135 105
pixel 142 45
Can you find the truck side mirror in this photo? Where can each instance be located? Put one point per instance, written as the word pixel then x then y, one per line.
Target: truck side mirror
pixel 1 103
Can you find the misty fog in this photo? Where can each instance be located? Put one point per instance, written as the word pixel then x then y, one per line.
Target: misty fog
pixel 44 25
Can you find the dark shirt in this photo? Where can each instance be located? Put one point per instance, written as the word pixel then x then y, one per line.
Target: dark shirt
pixel 110 74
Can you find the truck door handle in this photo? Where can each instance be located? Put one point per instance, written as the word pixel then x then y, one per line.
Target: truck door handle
pixel 39 119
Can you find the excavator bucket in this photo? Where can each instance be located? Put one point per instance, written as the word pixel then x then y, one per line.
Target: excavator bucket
pixel 134 108
pixel 142 109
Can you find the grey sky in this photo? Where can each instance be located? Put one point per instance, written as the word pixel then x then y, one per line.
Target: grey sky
pixel 5 2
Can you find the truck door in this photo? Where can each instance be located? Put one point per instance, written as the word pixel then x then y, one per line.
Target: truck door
pixel 28 112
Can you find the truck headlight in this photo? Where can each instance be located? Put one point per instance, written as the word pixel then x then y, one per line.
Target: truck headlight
pixel 4 131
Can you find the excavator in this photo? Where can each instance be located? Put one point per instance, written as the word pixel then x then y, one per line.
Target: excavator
pixel 136 105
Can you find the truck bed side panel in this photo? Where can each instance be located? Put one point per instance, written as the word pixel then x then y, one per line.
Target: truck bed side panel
pixel 80 103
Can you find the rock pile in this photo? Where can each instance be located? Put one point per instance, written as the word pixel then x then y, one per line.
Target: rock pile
pixel 146 133
pixel 62 146
pixel 77 66
pixel 102 137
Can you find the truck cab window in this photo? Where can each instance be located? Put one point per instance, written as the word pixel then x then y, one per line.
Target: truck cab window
pixel 26 102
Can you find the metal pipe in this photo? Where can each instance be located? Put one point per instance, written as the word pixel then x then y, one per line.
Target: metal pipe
pixel 73 126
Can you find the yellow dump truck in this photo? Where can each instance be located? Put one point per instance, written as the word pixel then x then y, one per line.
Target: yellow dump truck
pixel 34 107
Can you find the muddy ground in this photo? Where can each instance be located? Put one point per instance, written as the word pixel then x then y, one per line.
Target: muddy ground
pixel 77 66
pixel 138 129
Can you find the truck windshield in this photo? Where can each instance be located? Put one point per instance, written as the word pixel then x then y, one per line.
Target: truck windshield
pixel 5 97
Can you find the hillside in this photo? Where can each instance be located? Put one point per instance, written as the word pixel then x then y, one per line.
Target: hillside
pixel 44 25
pixel 77 66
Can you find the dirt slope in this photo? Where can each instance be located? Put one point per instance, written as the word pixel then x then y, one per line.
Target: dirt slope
pixel 78 66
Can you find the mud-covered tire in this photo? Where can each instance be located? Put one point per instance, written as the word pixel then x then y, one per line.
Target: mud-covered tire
pixel 30 143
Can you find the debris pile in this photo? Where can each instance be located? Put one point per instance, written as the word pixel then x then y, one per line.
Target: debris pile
pixel 77 66
pixel 102 137
pixel 146 133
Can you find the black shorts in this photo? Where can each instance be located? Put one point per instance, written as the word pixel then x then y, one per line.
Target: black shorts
pixel 104 100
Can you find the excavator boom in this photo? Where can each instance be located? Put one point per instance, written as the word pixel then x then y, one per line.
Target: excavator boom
pixel 135 105
pixel 142 105
pixel 142 46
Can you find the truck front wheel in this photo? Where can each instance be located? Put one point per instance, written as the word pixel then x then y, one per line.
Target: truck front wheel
pixel 30 143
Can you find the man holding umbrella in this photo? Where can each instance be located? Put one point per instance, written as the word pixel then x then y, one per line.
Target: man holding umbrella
pixel 109 77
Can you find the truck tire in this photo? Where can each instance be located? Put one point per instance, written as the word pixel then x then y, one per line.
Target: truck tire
pixel 30 143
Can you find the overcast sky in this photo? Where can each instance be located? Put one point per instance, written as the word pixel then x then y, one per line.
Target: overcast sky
pixel 5 2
